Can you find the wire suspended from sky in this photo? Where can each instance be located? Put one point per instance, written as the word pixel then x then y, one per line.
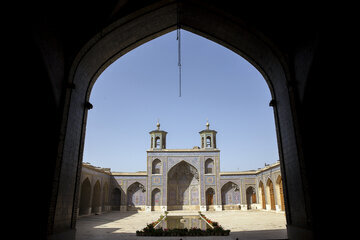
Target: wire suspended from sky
pixel 179 57
pixel 178 38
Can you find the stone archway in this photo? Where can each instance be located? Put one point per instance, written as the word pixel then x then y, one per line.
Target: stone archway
pixel 136 28
pixel 230 196
pixel 105 198
pixel 182 178
pixel 136 197
pixel 96 198
pixel 116 199
pixel 270 194
pixel 280 194
pixel 155 199
pixel 262 194
pixel 250 197
pixel 210 195
pixel 85 197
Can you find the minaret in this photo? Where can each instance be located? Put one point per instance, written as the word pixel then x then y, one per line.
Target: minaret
pixel 158 138
pixel 208 137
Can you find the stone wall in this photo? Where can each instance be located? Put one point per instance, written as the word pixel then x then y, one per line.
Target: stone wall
pixel 184 186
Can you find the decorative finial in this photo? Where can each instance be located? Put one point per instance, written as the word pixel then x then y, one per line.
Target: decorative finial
pixel 158 124
pixel 207 124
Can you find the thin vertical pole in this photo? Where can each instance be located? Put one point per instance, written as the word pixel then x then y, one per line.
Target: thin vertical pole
pixel 179 44
pixel 179 58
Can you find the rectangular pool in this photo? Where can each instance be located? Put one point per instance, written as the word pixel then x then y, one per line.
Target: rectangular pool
pixel 181 222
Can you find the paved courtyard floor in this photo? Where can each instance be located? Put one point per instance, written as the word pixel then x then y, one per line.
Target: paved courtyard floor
pixel 253 224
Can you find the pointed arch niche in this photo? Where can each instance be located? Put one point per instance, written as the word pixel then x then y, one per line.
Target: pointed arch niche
pixel 156 167
pixel 230 196
pixel 280 194
pixel 182 185
pixel 136 195
pixel 262 200
pixel 155 199
pixel 209 166
pixel 136 28
pixel 270 195
pixel 85 198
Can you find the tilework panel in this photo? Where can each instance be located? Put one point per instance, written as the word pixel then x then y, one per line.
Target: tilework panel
pixel 209 180
pixel 156 180
pixel 194 161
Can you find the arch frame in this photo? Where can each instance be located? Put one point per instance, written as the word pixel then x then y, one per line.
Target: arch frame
pixel 154 162
pixel 233 206
pixel 138 186
pixel 206 163
pixel 153 206
pixel 180 193
pixel 142 26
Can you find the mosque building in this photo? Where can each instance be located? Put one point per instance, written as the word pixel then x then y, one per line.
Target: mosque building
pixel 180 179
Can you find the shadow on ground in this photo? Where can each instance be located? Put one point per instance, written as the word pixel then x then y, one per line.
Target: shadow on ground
pixel 116 225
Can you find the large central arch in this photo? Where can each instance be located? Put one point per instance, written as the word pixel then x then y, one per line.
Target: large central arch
pixel 144 25
pixel 182 179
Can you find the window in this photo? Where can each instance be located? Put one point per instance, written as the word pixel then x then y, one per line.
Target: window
pixel 156 166
pixel 208 141
pixel 209 166
pixel 157 142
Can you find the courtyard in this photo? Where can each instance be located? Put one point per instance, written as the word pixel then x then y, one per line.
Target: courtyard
pixel 254 224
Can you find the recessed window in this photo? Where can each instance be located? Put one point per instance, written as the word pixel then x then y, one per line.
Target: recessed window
pixel 157 142
pixel 209 166
pixel 208 141
pixel 156 166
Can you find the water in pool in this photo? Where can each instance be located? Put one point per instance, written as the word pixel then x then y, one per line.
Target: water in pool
pixel 181 222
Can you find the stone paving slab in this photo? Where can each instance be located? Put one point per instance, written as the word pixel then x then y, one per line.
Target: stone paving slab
pixel 123 225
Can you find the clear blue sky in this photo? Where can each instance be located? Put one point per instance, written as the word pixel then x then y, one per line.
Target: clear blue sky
pixel 217 84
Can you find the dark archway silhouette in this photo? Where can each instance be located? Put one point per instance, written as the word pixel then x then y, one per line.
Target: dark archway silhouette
pixel 85 198
pixel 116 199
pixel 96 198
pixel 72 45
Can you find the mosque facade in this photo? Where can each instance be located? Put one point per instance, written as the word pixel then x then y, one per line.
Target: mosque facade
pixel 180 179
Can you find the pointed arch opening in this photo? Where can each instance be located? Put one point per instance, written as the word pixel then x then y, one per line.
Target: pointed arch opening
pixel 98 54
pixel 116 199
pixel 230 196
pixel 210 199
pixel 155 199
pixel 181 179
pixel 85 197
pixel 262 199
pixel 250 197
pixel 280 193
pixel 209 166
pixel 105 198
pixel 156 166
pixel 136 197
pixel 270 195
pixel 96 198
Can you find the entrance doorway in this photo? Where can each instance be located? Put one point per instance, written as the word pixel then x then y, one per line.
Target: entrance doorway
pixel 210 198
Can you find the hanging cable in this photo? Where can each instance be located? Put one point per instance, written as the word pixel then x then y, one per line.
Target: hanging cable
pixel 179 58
pixel 178 38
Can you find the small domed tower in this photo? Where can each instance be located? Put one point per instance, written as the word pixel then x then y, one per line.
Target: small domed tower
pixel 208 137
pixel 158 138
